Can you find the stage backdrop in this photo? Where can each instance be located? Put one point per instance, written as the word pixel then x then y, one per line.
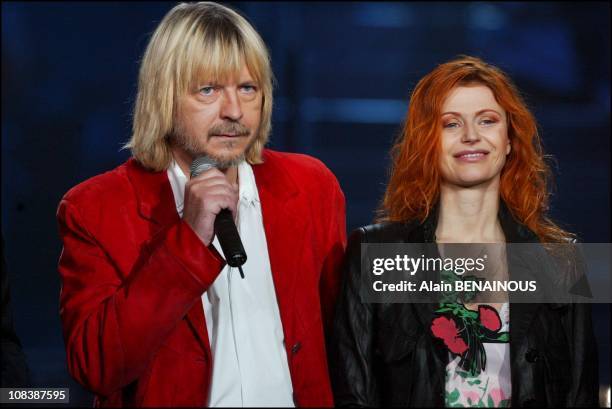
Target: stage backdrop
pixel 344 74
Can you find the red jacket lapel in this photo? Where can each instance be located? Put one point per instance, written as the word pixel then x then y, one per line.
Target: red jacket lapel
pixel 156 203
pixel 284 229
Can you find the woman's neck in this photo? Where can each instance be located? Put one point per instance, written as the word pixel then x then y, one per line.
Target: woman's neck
pixel 469 215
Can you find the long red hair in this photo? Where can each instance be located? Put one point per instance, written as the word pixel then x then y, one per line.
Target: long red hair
pixel 414 182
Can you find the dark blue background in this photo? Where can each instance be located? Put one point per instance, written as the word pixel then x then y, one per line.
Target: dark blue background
pixel 344 71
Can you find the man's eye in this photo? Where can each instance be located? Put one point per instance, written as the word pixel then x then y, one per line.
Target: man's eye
pixel 248 89
pixel 207 91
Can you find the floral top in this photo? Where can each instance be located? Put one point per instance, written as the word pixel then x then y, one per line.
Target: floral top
pixel 478 374
pixel 490 387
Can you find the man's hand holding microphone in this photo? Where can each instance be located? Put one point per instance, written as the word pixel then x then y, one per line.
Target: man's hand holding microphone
pixel 205 196
pixel 210 208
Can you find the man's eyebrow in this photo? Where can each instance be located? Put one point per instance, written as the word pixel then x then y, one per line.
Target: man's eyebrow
pixel 206 83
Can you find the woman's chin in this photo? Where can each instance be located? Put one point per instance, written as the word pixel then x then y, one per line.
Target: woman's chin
pixel 472 181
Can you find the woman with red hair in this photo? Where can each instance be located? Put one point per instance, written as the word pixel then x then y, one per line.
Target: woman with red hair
pixel 468 167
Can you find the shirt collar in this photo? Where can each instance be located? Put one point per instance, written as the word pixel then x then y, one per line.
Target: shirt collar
pixel 177 181
pixel 246 183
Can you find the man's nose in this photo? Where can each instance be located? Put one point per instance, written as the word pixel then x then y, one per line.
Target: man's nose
pixel 231 108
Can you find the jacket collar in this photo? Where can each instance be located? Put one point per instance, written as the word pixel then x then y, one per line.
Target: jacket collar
pixel 156 200
pixel 153 193
pixel 272 177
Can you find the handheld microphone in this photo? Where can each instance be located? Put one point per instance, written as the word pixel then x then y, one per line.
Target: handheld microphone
pixel 225 228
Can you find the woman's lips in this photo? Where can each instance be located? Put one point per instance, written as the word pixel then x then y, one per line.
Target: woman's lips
pixel 471 156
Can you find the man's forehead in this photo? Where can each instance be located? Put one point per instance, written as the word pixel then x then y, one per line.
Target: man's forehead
pixel 224 76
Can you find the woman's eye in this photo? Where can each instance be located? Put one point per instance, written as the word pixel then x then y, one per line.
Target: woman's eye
pixel 488 121
pixel 451 124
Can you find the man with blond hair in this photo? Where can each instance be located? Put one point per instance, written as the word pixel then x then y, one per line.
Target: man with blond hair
pixel 151 312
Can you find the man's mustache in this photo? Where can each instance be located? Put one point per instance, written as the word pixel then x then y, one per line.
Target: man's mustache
pixel 229 128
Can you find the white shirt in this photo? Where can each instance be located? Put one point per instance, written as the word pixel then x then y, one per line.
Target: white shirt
pixel 242 318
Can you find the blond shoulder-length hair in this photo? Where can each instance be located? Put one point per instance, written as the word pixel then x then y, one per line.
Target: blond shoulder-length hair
pixel 194 41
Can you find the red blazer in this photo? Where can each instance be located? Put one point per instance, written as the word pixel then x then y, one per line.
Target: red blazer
pixel 133 273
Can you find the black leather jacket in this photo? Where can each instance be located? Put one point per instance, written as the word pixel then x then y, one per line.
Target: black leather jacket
pixel 385 354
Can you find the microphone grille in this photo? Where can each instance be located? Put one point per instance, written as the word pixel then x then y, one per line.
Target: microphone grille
pixel 201 164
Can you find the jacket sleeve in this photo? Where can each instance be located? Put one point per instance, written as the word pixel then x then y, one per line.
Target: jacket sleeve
pixel 584 387
pixel 578 326
pixel 112 325
pixel 352 345
pixel 329 284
